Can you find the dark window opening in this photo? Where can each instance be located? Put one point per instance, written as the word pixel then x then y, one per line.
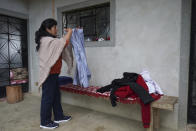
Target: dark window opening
pixel 95 21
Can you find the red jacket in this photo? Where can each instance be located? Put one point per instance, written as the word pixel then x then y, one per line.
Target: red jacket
pixel 126 91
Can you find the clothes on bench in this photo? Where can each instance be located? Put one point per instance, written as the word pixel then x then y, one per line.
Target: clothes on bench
pixel 153 87
pixel 125 91
pixel 132 85
pixel 64 80
pixel 92 91
pixel 134 81
pixel 126 99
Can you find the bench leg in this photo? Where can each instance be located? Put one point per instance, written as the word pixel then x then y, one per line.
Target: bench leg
pixel 156 117
pixel 155 120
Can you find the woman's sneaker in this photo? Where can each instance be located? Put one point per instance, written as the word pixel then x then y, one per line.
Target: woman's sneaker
pixel 51 125
pixel 65 119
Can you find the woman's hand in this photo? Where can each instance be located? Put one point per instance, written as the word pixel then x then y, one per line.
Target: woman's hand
pixel 68 34
pixel 68 30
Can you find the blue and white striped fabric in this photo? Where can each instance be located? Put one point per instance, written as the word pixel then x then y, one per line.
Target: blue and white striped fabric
pixel 82 74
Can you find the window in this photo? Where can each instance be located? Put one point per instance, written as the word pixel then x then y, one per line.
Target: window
pixel 94 20
pixel 96 17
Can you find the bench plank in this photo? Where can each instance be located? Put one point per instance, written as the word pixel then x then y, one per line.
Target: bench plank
pixel 165 102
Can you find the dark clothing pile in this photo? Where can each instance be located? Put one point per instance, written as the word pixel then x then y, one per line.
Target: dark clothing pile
pixel 134 81
pixel 131 85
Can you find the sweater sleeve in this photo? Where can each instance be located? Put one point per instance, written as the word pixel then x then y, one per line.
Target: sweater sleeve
pixel 54 49
pixel 67 56
pixel 49 52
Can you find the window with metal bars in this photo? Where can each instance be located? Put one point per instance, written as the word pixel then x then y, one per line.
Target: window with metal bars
pixel 95 21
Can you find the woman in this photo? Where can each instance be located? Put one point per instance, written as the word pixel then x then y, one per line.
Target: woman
pixel 50 60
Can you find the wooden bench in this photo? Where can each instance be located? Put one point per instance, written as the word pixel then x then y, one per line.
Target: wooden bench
pixel 164 103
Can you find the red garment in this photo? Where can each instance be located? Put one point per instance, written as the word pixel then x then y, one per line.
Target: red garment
pixel 145 109
pixel 126 91
pixel 56 68
pixel 141 82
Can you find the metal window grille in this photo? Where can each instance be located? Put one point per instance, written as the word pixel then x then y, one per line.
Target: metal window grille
pixel 13 49
pixel 95 21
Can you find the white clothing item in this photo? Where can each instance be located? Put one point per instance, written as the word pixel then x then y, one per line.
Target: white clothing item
pixel 153 87
pixel 101 39
pixel 88 39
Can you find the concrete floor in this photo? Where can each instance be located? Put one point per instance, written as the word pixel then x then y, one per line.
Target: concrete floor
pixel 24 116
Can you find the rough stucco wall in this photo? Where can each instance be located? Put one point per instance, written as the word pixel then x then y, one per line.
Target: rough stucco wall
pixel 147 37
pixel 38 11
pixel 15 5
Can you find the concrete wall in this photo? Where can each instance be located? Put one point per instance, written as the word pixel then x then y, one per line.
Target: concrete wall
pixel 184 63
pixel 38 11
pixel 147 37
pixel 20 6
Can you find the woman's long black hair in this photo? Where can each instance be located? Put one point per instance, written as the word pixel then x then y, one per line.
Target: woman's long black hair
pixel 41 32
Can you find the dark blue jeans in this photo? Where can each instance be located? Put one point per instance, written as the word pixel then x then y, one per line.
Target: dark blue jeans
pixel 50 100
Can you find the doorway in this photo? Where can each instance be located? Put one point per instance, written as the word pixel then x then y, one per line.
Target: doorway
pixel 13 49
